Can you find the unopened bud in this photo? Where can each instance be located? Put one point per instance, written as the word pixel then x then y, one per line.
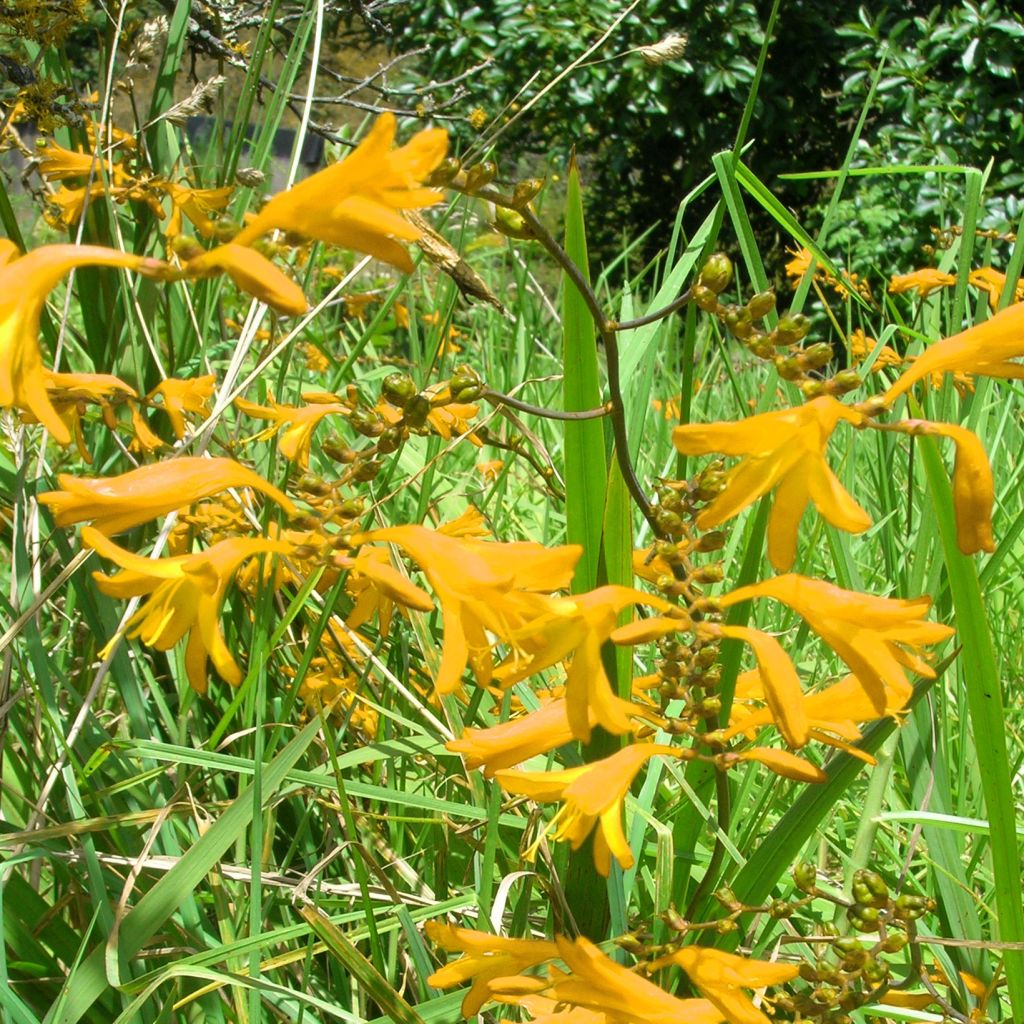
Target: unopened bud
pixel 817 355
pixel 705 298
pixel 480 174
pixel 445 172
pixel 249 177
pixel 791 328
pixel 526 190
pixel 367 470
pixel 367 423
pixel 714 540
pixel 844 381
pixel 761 304
pixel 397 388
pixel 416 410
pixel 869 888
pixel 716 273
pixel 511 224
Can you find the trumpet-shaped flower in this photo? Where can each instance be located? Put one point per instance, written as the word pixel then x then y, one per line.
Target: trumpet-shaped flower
pixel 985 349
pixel 25 282
pixel 577 626
pixel 178 397
pixel 992 282
pixel 118 503
pixel 877 637
pixel 296 424
pixel 196 204
pixel 485 959
pixel 832 713
pixel 596 982
pixel 183 594
pixel 481 586
pixel 783 450
pixel 253 273
pixel 355 203
pixel 593 794
pixel 924 282
pixel 720 978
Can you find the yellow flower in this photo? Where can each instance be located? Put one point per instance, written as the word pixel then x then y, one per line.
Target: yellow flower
pixel 719 977
pixel 974 489
pixel 786 450
pixel 984 349
pixel 486 958
pixel 181 396
pixel 577 626
pixel 184 595
pixel 782 762
pixel 491 470
pixel 481 587
pixel 377 586
pixel 799 264
pixel 512 742
pixel 69 392
pixel 543 1010
pixel 832 713
pixel 924 282
pixel 596 982
pixel 252 273
pixel 59 164
pixel 25 282
pixel 355 202
pixel 196 204
pixel 119 502
pixel 871 634
pixel 593 794
pixel 296 424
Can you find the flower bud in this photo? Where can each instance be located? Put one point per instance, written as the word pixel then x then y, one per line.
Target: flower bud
pixel 761 304
pixel 705 298
pixel 445 172
pixel 869 888
pixel 863 918
pixel 526 190
pixel 416 410
pixel 791 328
pixel 805 875
pixel 397 388
pixel 367 423
pixel 249 177
pixel 844 381
pixel 465 384
pixel 812 388
pixel 780 909
pixel 336 449
pixel 389 441
pixel 716 273
pixel 669 522
pixel 817 355
pixel 789 367
pixel 351 508
pixel 714 540
pixel 760 345
pixel 910 908
pixel 313 484
pixel 367 470
pixel 511 224
pixel 480 175
pixel 738 321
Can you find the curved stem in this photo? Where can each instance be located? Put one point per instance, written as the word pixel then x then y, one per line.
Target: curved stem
pixel 659 314
pixel 498 398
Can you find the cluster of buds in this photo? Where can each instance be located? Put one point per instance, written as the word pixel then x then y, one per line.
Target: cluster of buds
pixel 478 180
pixel 778 345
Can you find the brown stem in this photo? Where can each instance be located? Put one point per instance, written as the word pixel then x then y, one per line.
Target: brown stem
pixel 658 314
pixel 497 398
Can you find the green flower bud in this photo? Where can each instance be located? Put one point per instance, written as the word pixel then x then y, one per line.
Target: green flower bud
pixel 669 522
pixel 863 918
pixel 445 172
pixel 526 190
pixel 910 908
pixel 367 423
pixel 367 470
pixel 738 321
pixel 791 328
pixel 713 540
pixel 726 897
pixel 480 175
pixel 844 381
pixel 869 888
pixel 716 273
pixel 705 298
pixel 817 355
pixel 338 450
pixel 397 388
pixel 805 876
pixel 416 410
pixel 351 508
pixel 511 224
pixel 761 304
pixel 389 441
pixel 789 367
pixel 779 909
pixel 709 574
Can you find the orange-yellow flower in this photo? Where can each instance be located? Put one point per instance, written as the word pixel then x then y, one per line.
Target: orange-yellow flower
pixel 832 713
pixel 591 795
pixel 875 636
pixel 69 392
pixel 783 450
pixel 178 397
pixel 974 489
pixel 992 282
pixel 924 282
pixel 253 273
pixel 485 958
pixel 196 204
pixel 596 982
pixel 117 503
pixel 184 595
pixel 25 282
pixel 984 349
pixel 296 424
pixel 481 586
pixel 577 626
pixel 355 203
pixel 799 264
pixel 377 586
pixel 720 977
pixel 59 164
